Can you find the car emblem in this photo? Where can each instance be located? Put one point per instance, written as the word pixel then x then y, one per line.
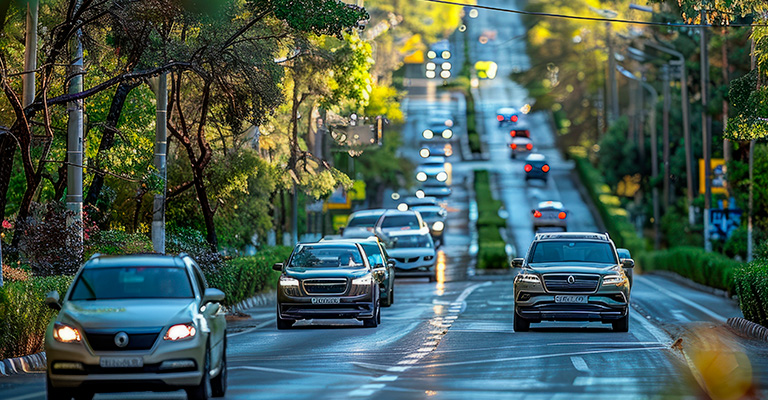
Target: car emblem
pixel 571 279
pixel 121 339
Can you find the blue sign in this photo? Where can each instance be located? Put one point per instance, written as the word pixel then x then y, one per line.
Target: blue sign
pixel 723 221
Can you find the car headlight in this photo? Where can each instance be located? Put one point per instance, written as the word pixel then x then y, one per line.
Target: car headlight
pixel 180 332
pixel 428 134
pixel 447 133
pixel 438 226
pixel 613 280
pixel 365 280
pixel 527 278
pixel 442 176
pixel 431 66
pixel 65 334
pixel 288 281
pixel 421 177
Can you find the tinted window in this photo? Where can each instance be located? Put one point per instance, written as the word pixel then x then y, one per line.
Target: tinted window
pixel 429 214
pixel 395 221
pixel 572 251
pixel 363 220
pixel 132 283
pixel 373 253
pixel 327 257
pixel 411 241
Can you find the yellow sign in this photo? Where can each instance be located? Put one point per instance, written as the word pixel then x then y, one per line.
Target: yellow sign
pixel 339 200
pixel 417 57
pixel 719 170
pixel 339 221
pixel 486 69
pixel 358 191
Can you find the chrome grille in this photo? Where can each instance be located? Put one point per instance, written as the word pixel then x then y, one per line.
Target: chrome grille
pixel 329 286
pixel 105 341
pixel 581 283
pixel 403 260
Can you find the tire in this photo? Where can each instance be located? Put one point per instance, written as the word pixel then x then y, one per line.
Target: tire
pixel 392 296
pixel 432 278
pixel 52 393
pixel 621 325
pixel 219 383
pixel 203 390
pixel 520 324
pixel 375 320
pixel 388 302
pixel 283 324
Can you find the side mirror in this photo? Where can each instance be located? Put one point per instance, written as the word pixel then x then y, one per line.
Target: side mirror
pixel 391 263
pixel 277 267
pixel 213 295
pixel 379 272
pixel 627 263
pixel 517 263
pixel 52 300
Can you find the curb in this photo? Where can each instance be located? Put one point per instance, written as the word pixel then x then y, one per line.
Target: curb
pixel 748 328
pixel 23 365
pixel 260 299
pixel 691 284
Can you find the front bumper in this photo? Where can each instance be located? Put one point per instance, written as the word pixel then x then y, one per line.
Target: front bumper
pixel 301 307
pixel 542 307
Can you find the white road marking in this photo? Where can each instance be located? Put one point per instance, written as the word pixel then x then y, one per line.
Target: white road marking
pixel 27 396
pixel 386 378
pixel 259 326
pixel 287 371
pixel 682 299
pixel 657 333
pixel 580 364
pixel 595 380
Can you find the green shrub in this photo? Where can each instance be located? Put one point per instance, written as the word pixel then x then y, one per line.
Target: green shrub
pixel 241 277
pixel 117 242
pixel 24 315
pixel 711 269
pixel 191 241
pixel 751 284
pixel 492 256
pixel 491 246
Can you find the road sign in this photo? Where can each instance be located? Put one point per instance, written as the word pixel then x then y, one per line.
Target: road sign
pixel 723 221
pixel 719 172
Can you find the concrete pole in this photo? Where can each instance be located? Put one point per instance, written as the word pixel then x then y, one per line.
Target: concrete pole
pixel 750 239
pixel 30 54
pixel 665 156
pixel 654 166
pixel 614 89
pixel 161 144
pixel 705 131
pixel 75 137
pixel 295 215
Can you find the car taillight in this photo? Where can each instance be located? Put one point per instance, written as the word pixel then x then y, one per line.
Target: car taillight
pixel 513 118
pixel 537 214
pixel 561 215
pixel 513 146
pixel 528 167
pixel 545 168
pixel 500 118
pixel 529 146
pixel 527 133
pixel 512 133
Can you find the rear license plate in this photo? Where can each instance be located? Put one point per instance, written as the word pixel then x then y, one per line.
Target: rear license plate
pixel 121 362
pixel 570 299
pixel 325 300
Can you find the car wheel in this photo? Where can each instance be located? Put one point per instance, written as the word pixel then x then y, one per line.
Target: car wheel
pixel 388 301
pixel 520 324
pixel 203 390
pixel 219 383
pixel 52 393
pixel 621 325
pixel 432 278
pixel 392 296
pixel 373 321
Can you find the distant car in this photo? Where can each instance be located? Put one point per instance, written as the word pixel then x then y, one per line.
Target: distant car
pixel 571 277
pixel 436 149
pixel 328 280
pixel 437 131
pixel 396 221
pixel 377 257
pixel 432 170
pixel 414 254
pixel 360 224
pixel 520 130
pixel 519 146
pixel 420 201
pixel 435 190
pixel 624 255
pixel 536 167
pixel 434 216
pixel 550 214
pixel 137 322
pixel 507 115
pixel 438 64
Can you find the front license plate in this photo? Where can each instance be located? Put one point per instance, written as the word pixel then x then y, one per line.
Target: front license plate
pixel 325 300
pixel 121 362
pixel 571 299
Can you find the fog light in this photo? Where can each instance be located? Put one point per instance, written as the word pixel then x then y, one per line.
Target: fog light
pixel 177 364
pixel 524 297
pixel 62 365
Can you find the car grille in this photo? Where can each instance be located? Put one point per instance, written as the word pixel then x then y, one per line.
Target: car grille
pixel 406 260
pixel 325 286
pixel 581 283
pixel 105 341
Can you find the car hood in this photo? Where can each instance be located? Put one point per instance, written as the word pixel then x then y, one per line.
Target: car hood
pixel 310 273
pixel 358 232
pixel 411 252
pixel 575 268
pixel 129 313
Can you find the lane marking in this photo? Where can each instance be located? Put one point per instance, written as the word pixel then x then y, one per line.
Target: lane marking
pixel 594 380
pixel 287 371
pixel 386 378
pixel 27 396
pixel 580 364
pixel 677 297
pixel 249 330
pixel 655 331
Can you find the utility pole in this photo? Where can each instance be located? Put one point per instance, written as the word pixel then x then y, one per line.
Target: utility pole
pixel 30 54
pixel 665 123
pixel 613 89
pixel 705 129
pixel 161 149
pixel 75 137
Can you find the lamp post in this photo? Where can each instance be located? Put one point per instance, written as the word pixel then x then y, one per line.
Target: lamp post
pixel 613 88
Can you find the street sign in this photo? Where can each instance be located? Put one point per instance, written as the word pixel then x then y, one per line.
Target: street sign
pixel 723 221
pixel 719 171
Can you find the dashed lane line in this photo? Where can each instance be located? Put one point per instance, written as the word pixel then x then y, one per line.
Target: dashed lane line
pixel 682 299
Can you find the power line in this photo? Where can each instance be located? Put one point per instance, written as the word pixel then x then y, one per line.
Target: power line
pixel 597 19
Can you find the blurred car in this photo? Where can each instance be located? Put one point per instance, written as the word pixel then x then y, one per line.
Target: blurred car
pixel 507 115
pixel 439 131
pixel 328 280
pixel 436 149
pixel 360 223
pixel 396 221
pixel 536 167
pixel 377 257
pixel 146 321
pixel 438 64
pixel 414 254
pixel 520 145
pixel 520 130
pixel 435 190
pixel 432 170
pixel 550 214
pixel 625 255
pixel 420 201
pixel 434 216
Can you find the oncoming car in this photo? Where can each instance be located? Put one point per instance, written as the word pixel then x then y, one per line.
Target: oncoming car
pixel 360 223
pixel 414 254
pixel 137 322
pixel 571 277
pixel 377 257
pixel 328 280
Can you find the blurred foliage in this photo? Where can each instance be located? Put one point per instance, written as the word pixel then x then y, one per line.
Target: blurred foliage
pixel 115 242
pixel 710 269
pixel 50 243
pixel 242 277
pixel 738 181
pixel 491 252
pixel 382 167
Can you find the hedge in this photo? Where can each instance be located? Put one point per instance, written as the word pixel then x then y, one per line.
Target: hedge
pixel 710 269
pixel 491 251
pixel 751 284
pixel 241 277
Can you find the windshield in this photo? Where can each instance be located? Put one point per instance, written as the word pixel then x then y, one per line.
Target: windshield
pixel 397 221
pixel 411 241
pixel 327 257
pixel 132 283
pixel 373 253
pixel 572 251
pixel 363 220
pixel 429 214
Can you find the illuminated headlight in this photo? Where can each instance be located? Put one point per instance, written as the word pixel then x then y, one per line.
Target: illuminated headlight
pixel 428 134
pixel 65 334
pixel 420 194
pixel 431 54
pixel 431 66
pixel 442 176
pixel 424 153
pixel 446 65
pixel 438 226
pixel 365 280
pixel 431 74
pixel 613 280
pixel 445 74
pixel 447 134
pixel 402 207
pixel 421 177
pixel 446 54
pixel 527 278
pixel 180 332
pixel 288 281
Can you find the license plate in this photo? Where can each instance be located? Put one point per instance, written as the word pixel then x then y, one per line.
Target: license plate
pixel 325 300
pixel 570 299
pixel 121 362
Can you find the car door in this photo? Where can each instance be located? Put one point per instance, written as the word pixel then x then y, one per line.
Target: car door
pixel 215 317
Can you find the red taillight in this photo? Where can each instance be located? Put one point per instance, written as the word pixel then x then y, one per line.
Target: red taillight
pixel 561 215
pixel 537 214
pixel 500 118
pixel 513 146
pixel 513 118
pixel 527 133
pixel 545 168
pixel 528 167
pixel 529 146
pixel 513 133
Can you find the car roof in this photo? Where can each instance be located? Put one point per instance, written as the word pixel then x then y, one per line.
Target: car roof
pixel 426 200
pixel 536 157
pixel 337 239
pixel 503 110
pixel 550 204
pixel 434 160
pixel 408 232
pixel 135 260
pixel 373 211
pixel 393 212
pixel 572 236
pixel 427 208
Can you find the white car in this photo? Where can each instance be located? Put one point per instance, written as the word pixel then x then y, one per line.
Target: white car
pixel 520 145
pixel 414 254
pixel 550 214
pixel 399 221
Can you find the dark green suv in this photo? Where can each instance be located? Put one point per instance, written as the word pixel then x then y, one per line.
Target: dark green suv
pixel 572 277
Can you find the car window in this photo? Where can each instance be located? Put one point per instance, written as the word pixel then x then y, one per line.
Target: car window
pixel 572 251
pixel 373 253
pixel 428 214
pixel 411 241
pixel 132 283
pixel 395 221
pixel 363 220
pixel 327 257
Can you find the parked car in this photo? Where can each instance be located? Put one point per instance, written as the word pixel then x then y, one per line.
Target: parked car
pixel 377 256
pixel 414 254
pixel 572 277
pixel 137 322
pixel 432 170
pixel 396 220
pixel 507 115
pixel 360 224
pixel 434 216
pixel 536 167
pixel 520 146
pixel 328 280
pixel 548 215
